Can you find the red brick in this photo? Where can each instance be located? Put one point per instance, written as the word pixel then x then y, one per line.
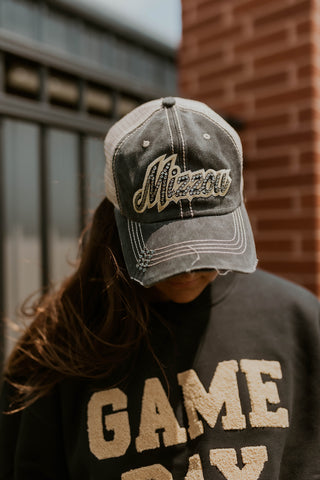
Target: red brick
pixel 315 27
pixel 237 108
pixel 301 224
pixel 226 34
pixel 290 97
pixel 217 12
pixel 211 98
pixel 203 3
pixel 307 159
pixel 186 46
pixel 306 115
pixel 275 245
pixel 271 83
pixel 187 5
pixel 217 72
pixel 250 6
pixel 210 21
pixel 308 281
pixel 188 85
pixel 189 21
pixel 269 204
pixel 283 14
pixel 200 59
pixel 310 201
pixel 264 41
pixel 296 266
pixel 305 71
pixel 271 120
pixel 312 286
pixel 310 114
pixel 276 79
pixel 275 161
pixel 284 56
pixel 304 27
pixel 290 180
pixel 293 138
pixel 308 72
pixel 310 245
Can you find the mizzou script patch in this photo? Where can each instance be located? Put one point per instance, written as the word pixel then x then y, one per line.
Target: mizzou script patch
pixel 164 183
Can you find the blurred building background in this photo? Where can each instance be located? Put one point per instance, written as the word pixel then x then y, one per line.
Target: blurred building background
pixel 67 72
pixel 258 61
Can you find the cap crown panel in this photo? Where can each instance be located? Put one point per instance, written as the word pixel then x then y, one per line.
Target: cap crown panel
pixel 202 149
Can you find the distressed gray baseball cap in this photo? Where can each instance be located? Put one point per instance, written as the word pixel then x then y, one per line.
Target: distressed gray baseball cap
pixel 174 175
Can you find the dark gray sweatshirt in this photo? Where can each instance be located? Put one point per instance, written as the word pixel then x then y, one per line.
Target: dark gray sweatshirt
pixel 236 396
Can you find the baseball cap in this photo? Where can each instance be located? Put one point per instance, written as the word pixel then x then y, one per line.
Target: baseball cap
pixel 174 175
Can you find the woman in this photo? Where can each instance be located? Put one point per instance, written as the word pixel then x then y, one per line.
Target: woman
pixel 168 357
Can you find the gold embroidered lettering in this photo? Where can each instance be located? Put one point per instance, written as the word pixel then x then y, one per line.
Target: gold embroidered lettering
pixel 261 393
pixel 223 390
pixel 152 472
pixel 117 422
pixel 157 413
pixel 154 190
pixel 225 459
pixel 164 183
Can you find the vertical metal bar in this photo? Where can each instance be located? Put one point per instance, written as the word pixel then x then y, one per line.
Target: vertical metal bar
pixel 2 233
pixel 44 204
pixel 43 91
pixel 2 73
pixel 82 91
pixel 115 105
pixel 82 181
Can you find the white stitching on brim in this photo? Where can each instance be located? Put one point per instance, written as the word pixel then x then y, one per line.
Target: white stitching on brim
pixel 152 257
pixel 133 241
pixel 202 246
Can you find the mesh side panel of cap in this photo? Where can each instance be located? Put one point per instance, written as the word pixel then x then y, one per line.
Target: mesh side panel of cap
pixel 117 134
pixel 200 107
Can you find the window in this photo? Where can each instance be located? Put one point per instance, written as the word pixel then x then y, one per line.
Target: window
pixel 64 215
pixel 95 161
pixel 22 225
pixel 21 17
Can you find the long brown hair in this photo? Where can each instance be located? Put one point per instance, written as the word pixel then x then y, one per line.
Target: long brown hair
pixel 90 327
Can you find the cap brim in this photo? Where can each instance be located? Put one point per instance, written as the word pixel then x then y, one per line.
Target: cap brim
pixel 156 251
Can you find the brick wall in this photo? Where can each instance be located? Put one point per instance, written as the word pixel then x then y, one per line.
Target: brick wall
pixel 258 61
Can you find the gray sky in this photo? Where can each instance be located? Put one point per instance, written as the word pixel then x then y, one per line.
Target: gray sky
pixel 160 18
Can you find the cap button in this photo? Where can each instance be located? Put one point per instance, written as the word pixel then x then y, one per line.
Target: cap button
pixel 168 102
